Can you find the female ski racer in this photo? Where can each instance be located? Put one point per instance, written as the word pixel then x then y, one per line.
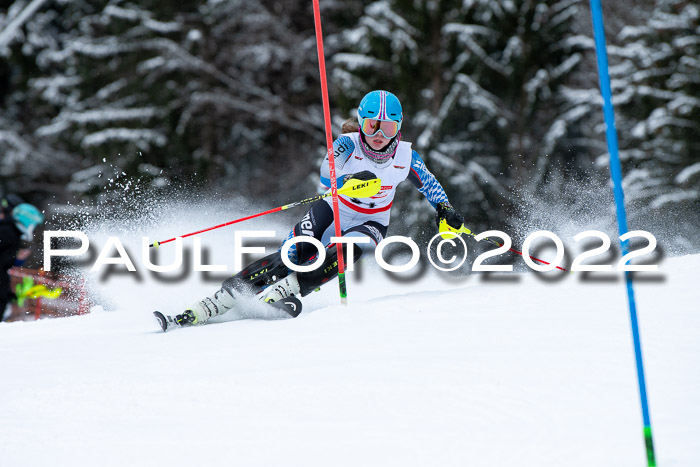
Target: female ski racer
pixel 374 151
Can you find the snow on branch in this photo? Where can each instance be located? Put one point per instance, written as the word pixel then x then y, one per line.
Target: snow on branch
pixel 513 50
pixel 434 122
pixel 658 119
pixel 351 36
pixel 111 89
pixel 484 175
pixel 577 42
pixel 466 172
pixel 686 41
pixel 345 79
pixel 181 58
pixel 559 128
pixel 9 31
pixel 135 14
pixel 675 197
pixel 538 82
pixel 684 105
pixel 176 58
pixel 353 62
pixel 155 63
pixel 262 113
pixel 468 29
pixel 108 47
pixel 633 32
pixel 106 115
pixel 670 23
pixel 454 147
pixel 50 88
pixel 141 138
pixel 564 5
pixel 466 39
pixel 13 139
pixel 567 11
pixel 379 28
pixel 382 9
pixel 56 127
pixel 582 96
pixel 566 66
pixel 401 38
pixel 481 98
pixel 491 8
pixel 23 156
pixel 688 173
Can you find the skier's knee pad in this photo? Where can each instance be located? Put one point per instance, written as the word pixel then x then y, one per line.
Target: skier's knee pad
pixel 257 275
pixel 369 242
pixel 374 231
pixel 311 280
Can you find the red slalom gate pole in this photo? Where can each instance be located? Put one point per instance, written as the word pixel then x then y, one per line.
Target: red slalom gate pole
pixel 329 145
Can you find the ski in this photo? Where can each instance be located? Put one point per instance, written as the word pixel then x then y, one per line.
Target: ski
pixel 291 305
pixel 166 322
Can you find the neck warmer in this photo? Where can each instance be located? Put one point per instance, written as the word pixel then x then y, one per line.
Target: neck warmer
pixel 381 155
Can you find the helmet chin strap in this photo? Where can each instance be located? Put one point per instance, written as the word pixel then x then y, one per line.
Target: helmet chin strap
pixel 381 155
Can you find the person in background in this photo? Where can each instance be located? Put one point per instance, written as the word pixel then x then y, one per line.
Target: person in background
pixel 17 222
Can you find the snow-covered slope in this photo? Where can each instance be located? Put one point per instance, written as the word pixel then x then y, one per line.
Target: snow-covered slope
pixel 433 372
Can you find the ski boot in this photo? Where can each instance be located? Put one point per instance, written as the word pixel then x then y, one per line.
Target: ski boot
pixel 287 287
pixel 186 319
pixel 168 322
pixel 283 295
pixel 211 306
pixel 300 284
pixel 200 312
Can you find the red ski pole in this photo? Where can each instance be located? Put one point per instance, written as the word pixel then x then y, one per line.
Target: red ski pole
pixel 444 227
pixel 353 187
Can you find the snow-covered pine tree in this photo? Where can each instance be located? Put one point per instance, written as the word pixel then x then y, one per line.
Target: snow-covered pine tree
pixel 482 85
pixel 216 91
pixel 28 165
pixel 656 88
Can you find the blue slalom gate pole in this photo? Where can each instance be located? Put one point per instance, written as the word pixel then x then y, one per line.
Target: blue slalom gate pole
pixel 616 174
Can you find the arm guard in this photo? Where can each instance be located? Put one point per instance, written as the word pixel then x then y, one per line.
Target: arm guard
pixel 426 182
pixel 343 148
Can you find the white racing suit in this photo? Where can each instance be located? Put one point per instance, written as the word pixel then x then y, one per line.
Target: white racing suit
pixel 364 216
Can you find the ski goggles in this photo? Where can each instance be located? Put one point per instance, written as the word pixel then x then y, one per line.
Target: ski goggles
pixel 371 126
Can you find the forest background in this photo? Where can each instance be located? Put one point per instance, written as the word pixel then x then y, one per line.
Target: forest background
pixel 106 100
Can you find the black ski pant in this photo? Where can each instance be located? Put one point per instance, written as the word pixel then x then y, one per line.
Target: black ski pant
pixel 266 271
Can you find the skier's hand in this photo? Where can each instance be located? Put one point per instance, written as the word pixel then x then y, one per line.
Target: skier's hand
pixel 446 211
pixel 364 175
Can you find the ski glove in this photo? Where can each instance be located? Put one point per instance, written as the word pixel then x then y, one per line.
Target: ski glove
pixel 447 212
pixel 364 175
